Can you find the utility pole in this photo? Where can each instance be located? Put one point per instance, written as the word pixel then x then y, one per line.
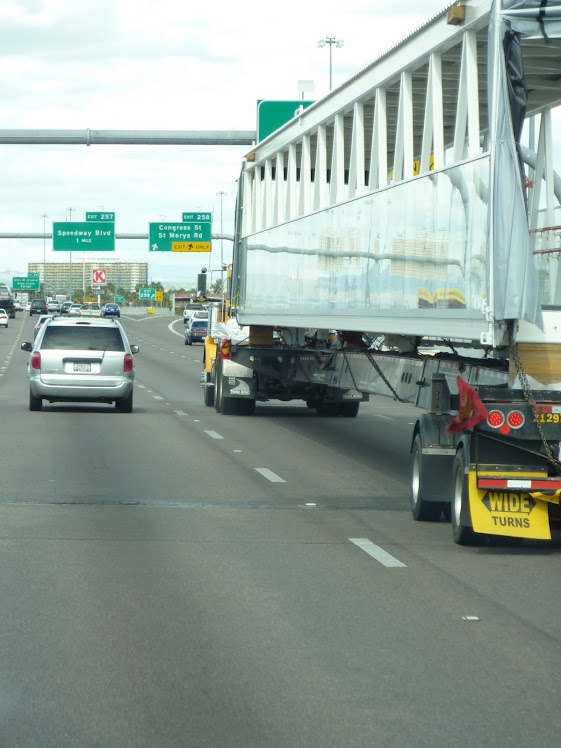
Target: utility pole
pixel 44 217
pixel 70 256
pixel 221 193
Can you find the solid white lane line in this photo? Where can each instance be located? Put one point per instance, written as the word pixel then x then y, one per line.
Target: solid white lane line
pixel 180 413
pixel 273 477
pixel 214 435
pixel 378 553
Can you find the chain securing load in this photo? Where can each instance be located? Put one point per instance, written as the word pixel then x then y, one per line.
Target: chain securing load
pixel 529 396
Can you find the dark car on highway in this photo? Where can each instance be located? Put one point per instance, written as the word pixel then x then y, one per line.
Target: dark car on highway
pixel 196 332
pixel 38 306
pixel 111 310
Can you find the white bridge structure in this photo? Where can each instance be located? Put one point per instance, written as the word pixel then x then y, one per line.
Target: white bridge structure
pixel 421 197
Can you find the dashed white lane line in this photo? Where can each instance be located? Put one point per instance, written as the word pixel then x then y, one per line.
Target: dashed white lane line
pixel 382 556
pixel 384 418
pixel 214 435
pixel 141 386
pixel 180 413
pixel 157 397
pixel 273 477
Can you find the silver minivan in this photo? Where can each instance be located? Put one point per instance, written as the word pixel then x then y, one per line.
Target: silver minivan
pixel 81 360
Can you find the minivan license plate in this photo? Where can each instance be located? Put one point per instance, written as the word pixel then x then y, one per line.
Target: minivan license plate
pixel 82 366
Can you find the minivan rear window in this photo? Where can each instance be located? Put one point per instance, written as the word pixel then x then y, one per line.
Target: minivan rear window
pixel 83 339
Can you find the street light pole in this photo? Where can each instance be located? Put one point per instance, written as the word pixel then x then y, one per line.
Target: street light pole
pixel 70 257
pixel 221 193
pixel 331 40
pixel 44 217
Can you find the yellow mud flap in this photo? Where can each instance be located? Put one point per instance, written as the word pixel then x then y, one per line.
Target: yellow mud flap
pixel 510 513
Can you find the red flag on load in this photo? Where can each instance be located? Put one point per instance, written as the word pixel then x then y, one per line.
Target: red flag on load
pixel 471 410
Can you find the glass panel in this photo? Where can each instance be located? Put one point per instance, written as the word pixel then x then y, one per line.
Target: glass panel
pixel 419 244
pixel 83 339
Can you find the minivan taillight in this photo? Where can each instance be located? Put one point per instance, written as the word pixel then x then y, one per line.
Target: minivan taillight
pixel 128 362
pixel 36 360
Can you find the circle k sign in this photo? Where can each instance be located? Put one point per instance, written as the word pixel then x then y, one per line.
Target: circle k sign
pixel 99 277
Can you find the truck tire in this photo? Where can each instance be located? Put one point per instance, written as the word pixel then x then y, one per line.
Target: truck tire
pixel 35 403
pixel 208 393
pixel 218 389
pixel 422 509
pixel 349 409
pixel 229 406
pixel 246 407
pixel 463 534
pixel 327 410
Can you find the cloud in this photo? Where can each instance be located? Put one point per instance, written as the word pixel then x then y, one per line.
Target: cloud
pixel 159 65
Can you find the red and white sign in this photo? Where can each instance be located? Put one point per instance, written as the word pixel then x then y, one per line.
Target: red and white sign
pixel 99 277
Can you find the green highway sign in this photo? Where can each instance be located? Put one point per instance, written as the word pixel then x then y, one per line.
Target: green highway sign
pixel 197 218
pixel 33 275
pixel 82 236
pixel 25 283
pixel 100 216
pixel 119 299
pixel 180 237
pixel 146 293
pixel 274 114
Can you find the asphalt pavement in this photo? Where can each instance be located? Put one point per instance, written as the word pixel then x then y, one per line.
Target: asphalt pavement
pixel 174 577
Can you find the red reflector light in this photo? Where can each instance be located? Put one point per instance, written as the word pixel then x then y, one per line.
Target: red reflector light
pixel 495 419
pixel 127 366
pixel 224 350
pixel 515 419
pixel 36 360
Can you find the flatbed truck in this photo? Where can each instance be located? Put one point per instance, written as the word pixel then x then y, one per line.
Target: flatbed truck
pixel 415 210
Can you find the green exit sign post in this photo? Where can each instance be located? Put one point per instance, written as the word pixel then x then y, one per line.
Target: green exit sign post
pixel 146 293
pixel 82 236
pixel 181 237
pixel 119 299
pixel 100 216
pixel 25 283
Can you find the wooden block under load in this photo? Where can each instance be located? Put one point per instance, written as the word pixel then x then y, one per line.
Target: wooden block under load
pixel 260 335
pixel 541 361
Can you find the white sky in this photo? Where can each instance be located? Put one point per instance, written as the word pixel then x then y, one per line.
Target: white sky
pixel 159 65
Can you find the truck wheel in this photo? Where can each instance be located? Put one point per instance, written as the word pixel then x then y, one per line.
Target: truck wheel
pixel 230 406
pixel 422 509
pixel 349 409
pixel 463 534
pixel 246 407
pixel 35 403
pixel 218 389
pixel 208 394
pixel 327 410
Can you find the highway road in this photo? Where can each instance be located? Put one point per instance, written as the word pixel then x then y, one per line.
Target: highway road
pixel 174 577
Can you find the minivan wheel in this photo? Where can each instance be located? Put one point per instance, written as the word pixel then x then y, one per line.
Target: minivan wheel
pixel 35 403
pixel 124 404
